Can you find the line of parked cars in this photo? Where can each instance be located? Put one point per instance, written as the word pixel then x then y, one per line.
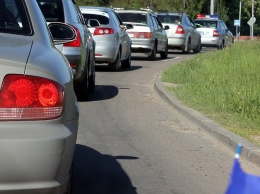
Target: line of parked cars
pixel 48 53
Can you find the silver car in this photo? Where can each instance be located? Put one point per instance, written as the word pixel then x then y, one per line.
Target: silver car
pixel 38 107
pixel 148 35
pixel 182 33
pixel 81 52
pixel 113 45
pixel 214 32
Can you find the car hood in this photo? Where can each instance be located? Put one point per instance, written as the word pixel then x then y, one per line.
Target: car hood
pixel 14 51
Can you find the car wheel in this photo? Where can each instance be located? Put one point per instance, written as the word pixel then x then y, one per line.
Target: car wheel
pixel 152 55
pixel 69 185
pixel 92 80
pixel 127 63
pixel 81 90
pixel 164 54
pixel 221 46
pixel 116 66
pixel 198 48
pixel 187 48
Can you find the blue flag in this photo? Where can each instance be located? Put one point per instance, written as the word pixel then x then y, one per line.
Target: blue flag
pixel 241 182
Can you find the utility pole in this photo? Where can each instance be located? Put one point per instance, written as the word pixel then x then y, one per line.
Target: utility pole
pixel 252 27
pixel 239 27
pixel 211 7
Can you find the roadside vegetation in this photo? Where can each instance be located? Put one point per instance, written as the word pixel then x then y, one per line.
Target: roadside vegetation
pixel 224 85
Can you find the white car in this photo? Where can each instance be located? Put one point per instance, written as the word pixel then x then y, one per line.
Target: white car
pixel 148 34
pixel 182 33
pixel 213 31
pixel 113 45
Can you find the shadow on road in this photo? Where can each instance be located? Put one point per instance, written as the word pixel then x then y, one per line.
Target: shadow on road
pixel 95 173
pixel 105 68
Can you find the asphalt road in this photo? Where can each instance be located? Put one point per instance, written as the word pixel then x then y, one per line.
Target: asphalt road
pixel 131 141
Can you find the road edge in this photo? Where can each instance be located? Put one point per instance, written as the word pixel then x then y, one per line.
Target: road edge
pixel 250 151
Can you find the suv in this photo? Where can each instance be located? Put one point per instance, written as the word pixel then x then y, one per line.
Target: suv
pixel 182 34
pixel 113 45
pixel 81 52
pixel 214 32
pixel 148 34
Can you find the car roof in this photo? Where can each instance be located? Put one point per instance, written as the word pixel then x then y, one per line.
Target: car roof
pixel 131 11
pixel 96 8
pixel 169 13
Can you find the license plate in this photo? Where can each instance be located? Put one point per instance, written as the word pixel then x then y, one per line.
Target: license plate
pixel 131 35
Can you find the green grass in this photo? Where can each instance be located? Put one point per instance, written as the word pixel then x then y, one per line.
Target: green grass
pixel 224 85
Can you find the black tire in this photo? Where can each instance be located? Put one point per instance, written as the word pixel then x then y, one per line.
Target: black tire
pixel 164 54
pixel 152 55
pixel 198 48
pixel 127 63
pixel 70 182
pixel 92 78
pixel 116 66
pixel 188 47
pixel 82 89
pixel 221 46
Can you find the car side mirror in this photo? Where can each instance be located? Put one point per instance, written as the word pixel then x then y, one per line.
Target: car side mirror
pixel 62 33
pixel 129 26
pixel 93 23
pixel 166 27
pixel 197 25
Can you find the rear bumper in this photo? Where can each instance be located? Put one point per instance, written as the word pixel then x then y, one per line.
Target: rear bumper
pixel 36 157
pixel 176 42
pixel 142 45
pixel 210 42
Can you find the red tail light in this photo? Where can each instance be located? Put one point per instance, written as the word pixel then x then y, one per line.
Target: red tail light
pixel 180 30
pixel 103 31
pixel 77 41
pixel 30 98
pixel 215 33
pixel 140 34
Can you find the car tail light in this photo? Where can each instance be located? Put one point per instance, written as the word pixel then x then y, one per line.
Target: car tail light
pixel 77 41
pixel 25 97
pixel 180 30
pixel 103 31
pixel 140 34
pixel 215 33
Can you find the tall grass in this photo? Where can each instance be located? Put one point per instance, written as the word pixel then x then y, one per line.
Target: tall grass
pixel 224 84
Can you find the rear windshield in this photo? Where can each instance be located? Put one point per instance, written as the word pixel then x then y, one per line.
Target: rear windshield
pixel 101 17
pixel 13 17
pixel 133 17
pixel 169 19
pixel 206 23
pixel 52 10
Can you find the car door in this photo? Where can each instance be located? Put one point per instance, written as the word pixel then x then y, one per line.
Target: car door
pixel 157 32
pixel 224 31
pixel 121 33
pixel 194 34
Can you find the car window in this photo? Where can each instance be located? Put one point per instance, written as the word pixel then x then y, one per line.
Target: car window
pixel 52 10
pixel 117 22
pixel 100 16
pixel 158 22
pixel 133 17
pixel 169 19
pixel 222 25
pixel 13 17
pixel 207 23
pixel 191 22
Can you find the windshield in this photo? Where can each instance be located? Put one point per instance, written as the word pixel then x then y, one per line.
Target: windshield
pixel 206 23
pixel 13 17
pixel 133 18
pixel 169 19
